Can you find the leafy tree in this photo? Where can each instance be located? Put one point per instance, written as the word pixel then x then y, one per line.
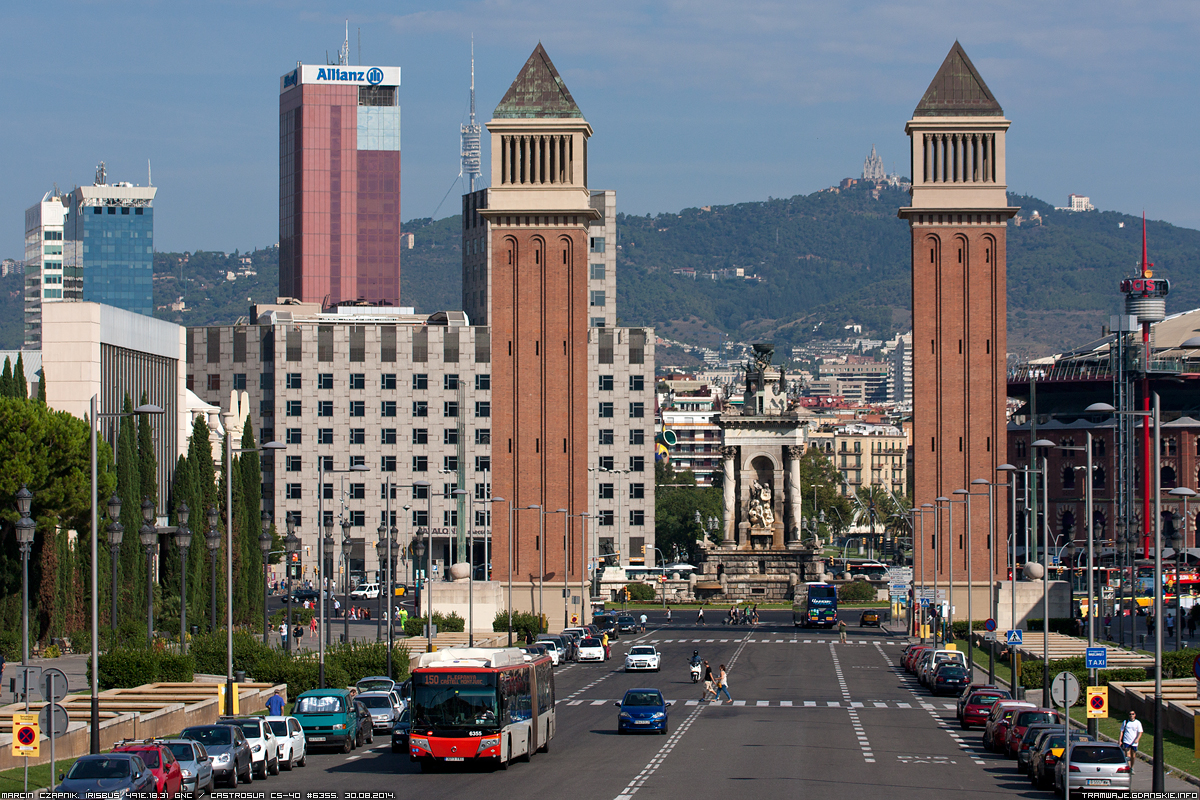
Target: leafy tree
pixel 204 493
pixel 250 478
pixel 677 499
pixel 147 461
pixel 819 475
pixel 872 505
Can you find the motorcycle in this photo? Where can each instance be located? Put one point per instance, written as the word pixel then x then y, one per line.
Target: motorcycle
pixel 696 672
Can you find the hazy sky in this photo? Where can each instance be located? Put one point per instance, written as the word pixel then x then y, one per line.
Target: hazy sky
pixel 692 103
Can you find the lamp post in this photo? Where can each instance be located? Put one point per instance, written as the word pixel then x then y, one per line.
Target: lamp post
pixel 93 422
pixel 213 540
pixel 381 551
pixel 948 619
pixel 583 554
pixel 426 542
pixel 116 534
pixel 183 540
pixel 148 535
pixel 1093 724
pixel 970 585
pixel 26 528
pixel 264 544
pixel 992 604
pixel 1031 571
pixel 327 549
pixel 1045 445
pixel 1186 494
pixel 419 552
pixel 925 507
pixel 391 593
pixel 510 566
pixel 461 494
pixel 291 546
pixel 541 560
pixel 346 544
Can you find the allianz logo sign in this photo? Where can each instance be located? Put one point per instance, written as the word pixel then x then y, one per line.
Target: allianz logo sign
pixel 373 76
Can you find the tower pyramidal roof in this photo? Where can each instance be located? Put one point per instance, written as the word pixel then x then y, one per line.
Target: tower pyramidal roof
pixel 957 90
pixel 538 92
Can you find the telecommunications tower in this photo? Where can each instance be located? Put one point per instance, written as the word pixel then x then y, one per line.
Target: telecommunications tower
pixel 471 134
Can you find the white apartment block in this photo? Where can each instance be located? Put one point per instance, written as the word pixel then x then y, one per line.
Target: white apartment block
pixel 43 260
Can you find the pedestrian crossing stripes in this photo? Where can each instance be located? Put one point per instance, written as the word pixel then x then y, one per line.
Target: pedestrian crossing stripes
pixel 864 704
pixel 797 640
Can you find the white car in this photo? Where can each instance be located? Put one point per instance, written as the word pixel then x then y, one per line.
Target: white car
pixel 290 736
pixel 264 749
pixel 365 591
pixel 385 708
pixel 551 646
pixel 642 657
pixel 591 650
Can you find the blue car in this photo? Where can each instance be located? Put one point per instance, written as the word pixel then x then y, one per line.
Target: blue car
pixel 106 775
pixel 642 710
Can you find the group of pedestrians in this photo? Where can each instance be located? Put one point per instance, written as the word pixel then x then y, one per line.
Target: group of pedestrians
pixel 743 616
pixel 716 686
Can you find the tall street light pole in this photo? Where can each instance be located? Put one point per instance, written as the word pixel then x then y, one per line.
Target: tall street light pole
pixel 291 546
pixel 992 610
pixel 346 545
pixel 510 566
pixel 948 618
pixel 422 545
pixel 148 535
pixel 264 544
pixel 925 508
pixel 582 559
pixel 116 534
pixel 183 541
pixel 1093 724
pixel 1182 543
pixel 213 540
pixel 93 423
pixel 26 528
pixel 970 584
pixel 325 547
pixel 1045 445
pixel 460 494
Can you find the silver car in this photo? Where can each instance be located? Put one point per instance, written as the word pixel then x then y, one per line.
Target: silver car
pixel 1097 766
pixel 195 765
pixel 384 707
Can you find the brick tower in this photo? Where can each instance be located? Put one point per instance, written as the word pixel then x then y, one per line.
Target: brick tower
pixel 958 216
pixel 537 212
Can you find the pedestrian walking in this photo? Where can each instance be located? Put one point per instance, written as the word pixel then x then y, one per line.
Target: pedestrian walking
pixel 723 685
pixel 283 633
pixel 1170 621
pixel 275 704
pixel 668 616
pixel 1131 734
pixel 643 621
pixel 709 684
pixel 842 631
pixel 312 625
pixel 700 616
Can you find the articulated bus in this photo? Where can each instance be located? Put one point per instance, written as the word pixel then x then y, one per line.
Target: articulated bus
pixel 480 704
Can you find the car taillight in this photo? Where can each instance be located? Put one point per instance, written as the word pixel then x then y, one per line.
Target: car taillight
pixel 941 680
pixel 1123 769
pixel 1073 768
pixel 1050 758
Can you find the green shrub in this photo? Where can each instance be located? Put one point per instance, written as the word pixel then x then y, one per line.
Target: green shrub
pixel 209 651
pixel 525 625
pixel 124 668
pixel 959 629
pixel 360 659
pixel 1031 672
pixel 1178 663
pixel 176 668
pixel 301 673
pixel 1063 625
pixel 451 623
pixel 300 616
pixel 640 592
pixel 856 592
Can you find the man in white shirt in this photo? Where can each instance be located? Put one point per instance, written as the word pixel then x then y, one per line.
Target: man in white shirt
pixel 1131 734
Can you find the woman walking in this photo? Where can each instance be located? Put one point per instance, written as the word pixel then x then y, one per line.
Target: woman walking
pixel 723 681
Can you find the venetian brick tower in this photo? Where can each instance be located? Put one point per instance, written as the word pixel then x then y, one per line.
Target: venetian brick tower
pixel 958 216
pixel 537 213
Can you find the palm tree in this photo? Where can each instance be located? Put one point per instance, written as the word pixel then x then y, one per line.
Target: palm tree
pixel 899 521
pixel 871 505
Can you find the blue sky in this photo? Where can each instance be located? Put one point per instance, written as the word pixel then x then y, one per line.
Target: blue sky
pixel 692 103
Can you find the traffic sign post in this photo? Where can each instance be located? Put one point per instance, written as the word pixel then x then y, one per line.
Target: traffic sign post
pixel 25 743
pixel 1013 636
pixel 990 625
pixel 1065 689
pixel 1097 702
pixel 1096 658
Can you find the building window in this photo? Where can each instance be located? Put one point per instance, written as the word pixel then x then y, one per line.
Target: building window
pixel 450 382
pixel 214 383
pixel 420 518
pixel 387 436
pixel 606 463
pixel 293 463
pixel 293 408
pixel 358 380
pixel 450 518
pixel 358 518
pixel 358 408
pixel 597 244
pixel 324 380
pixel 637 436
pixel 637 410
pixel 606 410
pixel 324 435
pixel 450 463
pixel 388 463
pixel 450 408
pixel 606 491
pixel 607 517
pixel 324 407
pixel 637 516
pixel 483 409
pixel 295 380
pixel 483 463
pixel 294 491
pixel 295 436
pixel 637 490
pixel 483 519
pixel 420 408
pixel 420 381
pixel 597 272
pixel 606 383
pixel 326 463
pixel 483 436
pixel 420 492
pixel 450 436
pixel 420 436
pixel 596 322
pixel 358 491
pixel 239 381
pixel 483 382
pixel 596 298
pixel 637 383
pixel 637 463
pixel 420 463
pixel 358 436
pixel 388 408
pixel 327 491
pixel 483 491
pixel 387 381
pixel 606 436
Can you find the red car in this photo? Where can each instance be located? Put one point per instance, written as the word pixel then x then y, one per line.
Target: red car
pixel 910 658
pixel 1021 720
pixel 965 694
pixel 168 777
pixel 996 727
pixel 979 705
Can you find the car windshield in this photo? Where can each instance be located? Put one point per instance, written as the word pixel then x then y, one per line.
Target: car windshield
pixel 375 702
pixel 590 643
pixel 93 769
pixel 642 699
pixel 278 727
pixel 381 685
pixel 208 736
pixel 319 705
pixel 150 757
pixel 1030 717
pixel 182 751
pixel 250 729
pixel 985 699
pixel 641 650
pixel 1097 754
pixel 404 716
pixel 954 670
pixel 626 620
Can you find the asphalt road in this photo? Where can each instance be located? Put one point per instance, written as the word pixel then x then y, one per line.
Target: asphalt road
pixel 810 716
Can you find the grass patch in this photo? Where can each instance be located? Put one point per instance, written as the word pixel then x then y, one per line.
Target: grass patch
pixel 1003 668
pixel 1178 751
pixel 13 780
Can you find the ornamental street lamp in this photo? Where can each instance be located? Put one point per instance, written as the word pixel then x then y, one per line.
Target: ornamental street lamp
pixel 381 553
pixel 327 548
pixel 26 528
pixel 148 536
pixel 346 545
pixel 116 534
pixel 419 552
pixel 510 566
pixel 291 546
pixel 1182 533
pixel 212 540
pixel 264 544
pixel 183 540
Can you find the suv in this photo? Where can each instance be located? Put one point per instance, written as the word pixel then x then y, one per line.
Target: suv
pixel 328 718
pixel 365 591
pixel 168 777
pixel 1022 720
pixel 264 748
pixel 228 749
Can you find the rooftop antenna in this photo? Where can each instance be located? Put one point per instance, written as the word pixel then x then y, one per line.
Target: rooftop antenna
pixel 344 53
pixel 360 45
pixel 101 175
pixel 149 174
pixel 471 157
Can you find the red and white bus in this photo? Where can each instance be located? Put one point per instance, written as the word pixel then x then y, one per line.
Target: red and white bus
pixel 476 704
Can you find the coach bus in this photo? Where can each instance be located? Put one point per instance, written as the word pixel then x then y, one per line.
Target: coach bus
pixel 480 705
pixel 818 607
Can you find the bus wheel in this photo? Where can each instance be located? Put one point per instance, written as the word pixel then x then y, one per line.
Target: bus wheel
pixel 545 748
pixel 504 757
pixel 528 756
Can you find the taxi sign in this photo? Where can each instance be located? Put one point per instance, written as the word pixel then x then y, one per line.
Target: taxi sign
pixel 26 736
pixel 1097 658
pixel 1097 702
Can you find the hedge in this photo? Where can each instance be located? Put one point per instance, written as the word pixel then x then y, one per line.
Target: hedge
pixel 525 625
pixel 1063 625
pixel 1031 672
pixel 451 623
pixel 959 629
pixel 124 668
pixel 640 592
pixel 1178 663
pixel 209 651
pixel 300 616
pixel 856 591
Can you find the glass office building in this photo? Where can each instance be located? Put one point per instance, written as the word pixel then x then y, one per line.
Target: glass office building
pixel 109 247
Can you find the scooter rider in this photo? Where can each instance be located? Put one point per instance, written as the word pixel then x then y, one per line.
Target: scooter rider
pixel 696 665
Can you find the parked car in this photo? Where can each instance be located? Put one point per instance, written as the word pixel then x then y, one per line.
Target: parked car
pixel 996 726
pixel 979 705
pixel 375 683
pixel 385 708
pixel 365 591
pixel 293 749
pixel 195 766
pixel 1022 720
pixel 870 617
pixel 366 725
pixel 537 650
pixel 328 718
pixel 110 774
pixel 566 650
pixel 935 658
pixel 158 758
pixel 554 648
pixel 227 747
pixel 912 654
pixel 1094 766
pixel 1050 747
pixel 592 650
pixel 965 694
pixel 400 732
pixel 264 749
pixel 949 678
pixel 642 710
pixel 1028 741
pixel 642 657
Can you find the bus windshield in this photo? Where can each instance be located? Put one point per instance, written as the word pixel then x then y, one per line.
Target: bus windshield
pixel 454 700
pixel 817 592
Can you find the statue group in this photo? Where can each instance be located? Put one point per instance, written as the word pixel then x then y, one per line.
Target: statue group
pixel 759 513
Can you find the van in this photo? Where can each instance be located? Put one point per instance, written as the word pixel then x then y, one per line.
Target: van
pixel 328 717
pixel 365 591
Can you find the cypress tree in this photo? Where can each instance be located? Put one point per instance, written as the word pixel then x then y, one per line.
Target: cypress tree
pixel 147 461
pixel 250 478
pixel 41 395
pixel 6 381
pixel 20 385
pixel 204 494
pixel 131 568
